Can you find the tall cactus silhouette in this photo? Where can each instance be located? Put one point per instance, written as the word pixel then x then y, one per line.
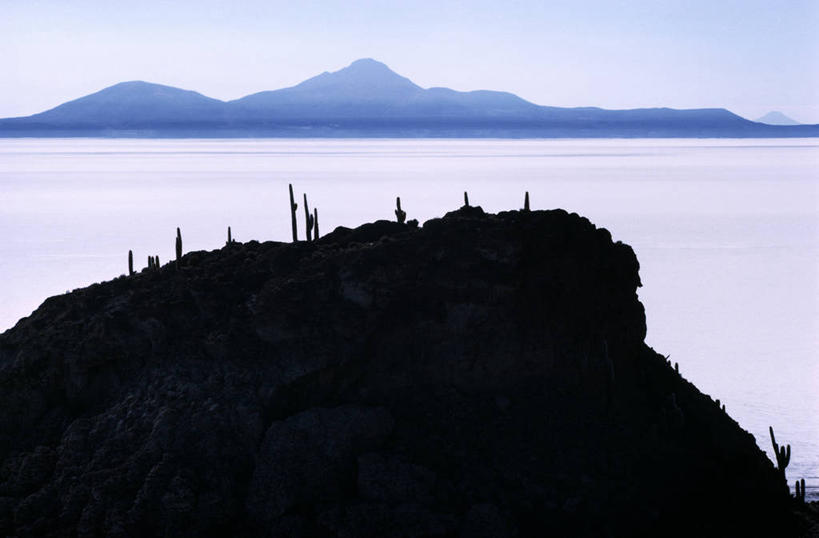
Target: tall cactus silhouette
pixel 130 262
pixel 526 202
pixel 293 207
pixel 400 215
pixel 308 220
pixel 466 199
pixel 178 247
pixel 783 454
pixel 230 238
pixel 315 224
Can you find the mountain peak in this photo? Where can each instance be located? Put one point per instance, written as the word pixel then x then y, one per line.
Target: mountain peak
pixel 134 84
pixel 368 63
pixel 132 103
pixel 139 89
pixel 363 76
pixel 370 67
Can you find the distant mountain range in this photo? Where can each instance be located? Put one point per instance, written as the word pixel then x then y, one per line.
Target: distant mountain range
pixel 366 99
pixel 777 118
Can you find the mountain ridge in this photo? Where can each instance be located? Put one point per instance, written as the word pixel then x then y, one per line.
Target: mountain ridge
pixel 366 98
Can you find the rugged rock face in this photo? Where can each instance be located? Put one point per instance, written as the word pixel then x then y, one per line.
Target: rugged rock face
pixel 484 375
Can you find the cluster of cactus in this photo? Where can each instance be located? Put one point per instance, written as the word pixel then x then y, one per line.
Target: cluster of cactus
pixel 783 454
pixel 310 222
pixel 783 458
pixel 525 200
pixel 310 219
pixel 153 262
pixel 401 216
pixel 311 225
pixel 800 491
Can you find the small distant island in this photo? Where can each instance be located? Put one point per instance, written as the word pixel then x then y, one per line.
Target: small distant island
pixel 368 99
pixel 777 118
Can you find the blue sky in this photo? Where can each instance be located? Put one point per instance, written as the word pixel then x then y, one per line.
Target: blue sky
pixel 749 56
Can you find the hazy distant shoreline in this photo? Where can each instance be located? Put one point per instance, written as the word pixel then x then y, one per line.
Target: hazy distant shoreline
pixel 278 135
pixel 368 100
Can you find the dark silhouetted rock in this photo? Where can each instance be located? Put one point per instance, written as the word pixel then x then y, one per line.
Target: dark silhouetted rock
pixel 310 457
pixel 481 375
pixel 391 479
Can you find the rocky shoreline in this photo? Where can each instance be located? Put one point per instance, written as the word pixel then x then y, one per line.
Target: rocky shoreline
pixel 480 375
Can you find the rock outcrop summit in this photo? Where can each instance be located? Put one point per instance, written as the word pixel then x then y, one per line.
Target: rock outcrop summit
pixel 481 375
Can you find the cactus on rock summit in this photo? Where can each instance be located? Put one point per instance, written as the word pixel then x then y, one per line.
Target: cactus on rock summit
pixel 293 207
pixel 178 247
pixel 400 215
pixel 783 454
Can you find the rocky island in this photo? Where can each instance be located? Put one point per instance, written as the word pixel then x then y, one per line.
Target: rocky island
pixel 480 375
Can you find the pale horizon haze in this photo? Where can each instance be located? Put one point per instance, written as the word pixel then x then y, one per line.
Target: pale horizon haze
pixel 750 57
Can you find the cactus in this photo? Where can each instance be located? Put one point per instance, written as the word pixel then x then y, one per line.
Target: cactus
pixel 150 262
pixel 800 491
pixel 677 367
pixel 308 220
pixel 783 454
pixel 315 224
pixel 400 215
pixel 466 199
pixel 293 207
pixel 156 261
pixel 130 263
pixel 526 202
pixel 178 248
pixel 230 239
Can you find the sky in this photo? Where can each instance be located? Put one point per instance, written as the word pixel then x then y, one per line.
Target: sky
pixel 749 56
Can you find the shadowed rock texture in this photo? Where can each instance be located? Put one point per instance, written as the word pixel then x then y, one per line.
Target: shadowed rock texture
pixel 484 375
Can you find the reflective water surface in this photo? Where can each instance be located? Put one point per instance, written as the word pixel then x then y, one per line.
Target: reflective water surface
pixel 726 231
